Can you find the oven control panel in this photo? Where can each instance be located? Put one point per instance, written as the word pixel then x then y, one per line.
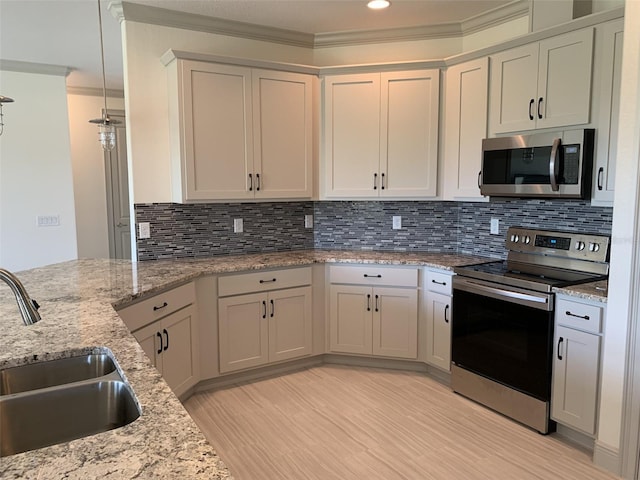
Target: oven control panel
pixel 581 246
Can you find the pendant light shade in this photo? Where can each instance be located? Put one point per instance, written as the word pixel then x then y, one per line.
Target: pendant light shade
pixel 3 99
pixel 106 126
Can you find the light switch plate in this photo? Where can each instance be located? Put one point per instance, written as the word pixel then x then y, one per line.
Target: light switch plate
pixel 495 226
pixel 397 222
pixel 48 220
pixel 144 230
pixel 238 225
pixel 308 221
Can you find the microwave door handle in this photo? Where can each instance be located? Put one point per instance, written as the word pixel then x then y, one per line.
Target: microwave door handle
pixel 554 165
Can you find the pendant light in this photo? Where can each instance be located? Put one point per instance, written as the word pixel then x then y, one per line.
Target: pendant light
pixel 3 99
pixel 106 126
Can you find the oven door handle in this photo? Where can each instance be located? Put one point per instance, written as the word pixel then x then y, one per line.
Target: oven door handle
pixel 541 301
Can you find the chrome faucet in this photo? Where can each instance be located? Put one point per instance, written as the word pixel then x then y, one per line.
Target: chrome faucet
pixel 28 307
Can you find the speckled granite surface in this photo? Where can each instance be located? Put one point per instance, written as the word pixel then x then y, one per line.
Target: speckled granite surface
pixel 77 300
pixel 596 291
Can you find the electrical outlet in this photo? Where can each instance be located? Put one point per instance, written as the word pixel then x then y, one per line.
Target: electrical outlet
pixel 308 221
pixel 238 225
pixel 495 226
pixel 397 222
pixel 144 230
pixel 48 220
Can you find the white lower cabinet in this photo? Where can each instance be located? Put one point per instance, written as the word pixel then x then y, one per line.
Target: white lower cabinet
pixel 438 301
pixel 373 320
pixel 576 364
pixel 165 326
pixel 269 326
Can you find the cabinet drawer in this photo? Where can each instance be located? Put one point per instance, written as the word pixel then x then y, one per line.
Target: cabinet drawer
pixel 374 275
pixel 263 281
pixel 578 315
pixel 151 309
pixel 439 282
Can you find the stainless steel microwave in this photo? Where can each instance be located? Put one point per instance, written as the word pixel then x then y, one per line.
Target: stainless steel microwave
pixel 544 165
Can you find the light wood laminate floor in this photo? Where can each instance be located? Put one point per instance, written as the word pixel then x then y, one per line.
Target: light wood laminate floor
pixel 338 422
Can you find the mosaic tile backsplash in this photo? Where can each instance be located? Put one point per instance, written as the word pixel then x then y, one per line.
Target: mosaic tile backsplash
pixel 203 230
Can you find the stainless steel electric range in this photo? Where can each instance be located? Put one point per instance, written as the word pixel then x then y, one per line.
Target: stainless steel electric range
pixel 503 312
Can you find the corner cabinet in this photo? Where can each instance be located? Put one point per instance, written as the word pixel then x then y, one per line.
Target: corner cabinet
pixel 239 133
pixel 165 327
pixel 542 85
pixel 438 302
pixel 264 318
pixel 381 134
pixel 465 107
pixel 576 364
pixel 373 311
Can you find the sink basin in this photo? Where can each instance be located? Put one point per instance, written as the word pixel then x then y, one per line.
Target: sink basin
pixel 54 372
pixel 54 415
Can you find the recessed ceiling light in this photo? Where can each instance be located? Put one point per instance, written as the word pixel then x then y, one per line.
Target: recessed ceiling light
pixel 378 4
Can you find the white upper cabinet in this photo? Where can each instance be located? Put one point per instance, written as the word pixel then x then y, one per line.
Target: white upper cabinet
pixel 239 133
pixel 465 125
pixel 542 85
pixel 608 64
pixel 381 134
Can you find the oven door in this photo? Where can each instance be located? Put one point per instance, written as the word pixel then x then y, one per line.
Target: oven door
pixel 504 334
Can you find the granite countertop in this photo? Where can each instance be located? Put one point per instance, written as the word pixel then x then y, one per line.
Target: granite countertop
pixel 596 291
pixel 77 300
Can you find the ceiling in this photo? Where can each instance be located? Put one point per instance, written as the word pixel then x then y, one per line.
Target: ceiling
pixel 65 32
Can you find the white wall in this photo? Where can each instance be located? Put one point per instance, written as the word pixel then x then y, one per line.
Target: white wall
pixel 625 245
pixel 35 172
pixel 87 158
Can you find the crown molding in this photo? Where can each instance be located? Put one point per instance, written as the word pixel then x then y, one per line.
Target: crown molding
pixel 95 92
pixel 29 67
pixel 171 18
pixel 497 16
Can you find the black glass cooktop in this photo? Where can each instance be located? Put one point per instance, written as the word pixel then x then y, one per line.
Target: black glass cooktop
pixel 534 277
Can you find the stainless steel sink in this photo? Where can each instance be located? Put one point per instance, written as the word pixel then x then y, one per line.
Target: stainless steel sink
pixel 51 402
pixel 54 372
pixel 46 417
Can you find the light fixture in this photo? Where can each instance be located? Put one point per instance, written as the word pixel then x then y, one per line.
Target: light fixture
pixel 3 99
pixel 378 4
pixel 106 126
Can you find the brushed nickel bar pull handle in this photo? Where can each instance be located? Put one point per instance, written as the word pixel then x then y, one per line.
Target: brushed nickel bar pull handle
pixel 583 317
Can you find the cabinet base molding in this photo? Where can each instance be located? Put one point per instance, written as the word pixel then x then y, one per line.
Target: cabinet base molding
pixel 372 362
pixel 257 374
pixel 573 436
pixel 607 457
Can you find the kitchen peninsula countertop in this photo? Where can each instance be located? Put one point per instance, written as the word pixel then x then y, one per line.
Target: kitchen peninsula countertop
pixel 77 301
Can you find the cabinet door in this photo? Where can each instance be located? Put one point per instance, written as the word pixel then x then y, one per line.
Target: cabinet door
pixel 352 135
pixel 409 133
pixel 564 79
pixel 179 364
pixel 350 319
pixel 151 341
pixel 575 379
pixel 514 77
pixel 217 131
pixel 282 126
pixel 610 69
pixel 289 323
pixel 243 332
pixel 395 322
pixel 439 330
pixel 465 126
